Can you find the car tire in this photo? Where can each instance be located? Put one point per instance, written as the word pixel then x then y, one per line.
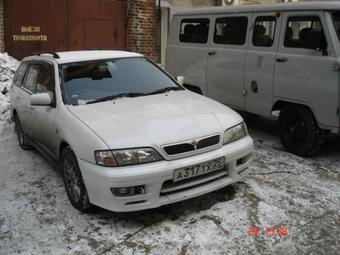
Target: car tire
pixel 22 137
pixel 299 131
pixel 73 181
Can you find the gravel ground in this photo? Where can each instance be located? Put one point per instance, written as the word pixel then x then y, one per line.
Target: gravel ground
pixel 283 192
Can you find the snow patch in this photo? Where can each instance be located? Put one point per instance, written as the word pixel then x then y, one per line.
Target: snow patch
pixel 8 66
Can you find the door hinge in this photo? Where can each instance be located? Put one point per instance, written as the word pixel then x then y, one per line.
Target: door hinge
pixel 244 92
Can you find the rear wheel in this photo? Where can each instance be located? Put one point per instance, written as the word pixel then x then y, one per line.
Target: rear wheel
pixel 22 137
pixel 299 131
pixel 73 180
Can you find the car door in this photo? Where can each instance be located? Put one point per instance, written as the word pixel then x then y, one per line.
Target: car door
pixel 23 98
pixel 226 58
pixel 305 65
pixel 260 62
pixel 43 117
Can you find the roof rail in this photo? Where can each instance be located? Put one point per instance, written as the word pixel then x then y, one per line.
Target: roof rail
pixel 54 54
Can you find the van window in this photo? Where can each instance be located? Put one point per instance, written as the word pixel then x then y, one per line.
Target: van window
pixel 305 32
pixel 336 21
pixel 194 30
pixel 231 30
pixel 264 31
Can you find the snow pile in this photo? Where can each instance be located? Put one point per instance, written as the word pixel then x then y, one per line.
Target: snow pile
pixel 8 66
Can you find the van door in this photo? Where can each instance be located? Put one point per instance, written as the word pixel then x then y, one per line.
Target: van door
pixel 187 49
pixel 226 58
pixel 305 66
pixel 260 63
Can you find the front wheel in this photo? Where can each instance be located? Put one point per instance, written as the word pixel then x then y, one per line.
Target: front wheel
pixel 299 131
pixel 73 180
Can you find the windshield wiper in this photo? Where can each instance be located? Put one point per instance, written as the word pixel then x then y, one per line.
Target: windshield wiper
pixel 163 90
pixel 112 97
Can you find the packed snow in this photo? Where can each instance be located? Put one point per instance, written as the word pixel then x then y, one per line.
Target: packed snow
pixel 283 193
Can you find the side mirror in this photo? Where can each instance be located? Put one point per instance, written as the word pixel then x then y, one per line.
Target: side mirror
pixel 43 99
pixel 180 80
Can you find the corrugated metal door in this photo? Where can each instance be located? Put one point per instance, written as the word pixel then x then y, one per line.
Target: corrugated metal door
pixel 55 25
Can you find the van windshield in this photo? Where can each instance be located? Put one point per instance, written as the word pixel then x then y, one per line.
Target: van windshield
pixel 336 21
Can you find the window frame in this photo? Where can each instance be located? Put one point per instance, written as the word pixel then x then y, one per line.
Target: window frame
pixel 275 31
pixel 40 62
pixel 306 16
pixel 23 76
pixel 183 19
pixel 227 16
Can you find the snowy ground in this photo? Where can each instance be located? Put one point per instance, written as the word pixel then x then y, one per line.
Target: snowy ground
pixel 283 191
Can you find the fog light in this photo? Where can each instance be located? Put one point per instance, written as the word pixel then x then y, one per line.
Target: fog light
pixel 140 190
pixel 128 191
pixel 122 192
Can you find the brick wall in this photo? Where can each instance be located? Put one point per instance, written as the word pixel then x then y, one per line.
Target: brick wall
pixel 141 30
pixel 2 27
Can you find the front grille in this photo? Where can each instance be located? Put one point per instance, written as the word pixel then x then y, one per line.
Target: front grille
pixel 210 141
pixel 179 148
pixel 187 147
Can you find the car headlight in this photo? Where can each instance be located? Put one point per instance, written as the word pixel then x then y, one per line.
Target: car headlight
pixel 235 133
pixel 127 157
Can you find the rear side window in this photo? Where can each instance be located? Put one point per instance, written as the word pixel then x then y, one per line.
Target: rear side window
pixel 19 75
pixel 194 31
pixel 305 32
pixel 231 30
pixel 264 31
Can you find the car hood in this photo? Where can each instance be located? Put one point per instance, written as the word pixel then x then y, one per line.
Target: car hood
pixel 156 120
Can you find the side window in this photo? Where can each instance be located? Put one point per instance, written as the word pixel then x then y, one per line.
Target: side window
pixel 194 30
pixel 305 32
pixel 45 82
pixel 231 30
pixel 19 75
pixel 264 31
pixel 31 78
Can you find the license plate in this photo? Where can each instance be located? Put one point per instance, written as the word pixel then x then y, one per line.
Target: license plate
pixel 197 170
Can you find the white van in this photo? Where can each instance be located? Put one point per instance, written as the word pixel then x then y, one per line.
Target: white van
pixel 265 58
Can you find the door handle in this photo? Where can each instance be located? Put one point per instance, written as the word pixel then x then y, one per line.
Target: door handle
pixel 212 53
pixel 281 59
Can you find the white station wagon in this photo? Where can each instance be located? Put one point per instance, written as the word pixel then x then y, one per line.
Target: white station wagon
pixel 128 136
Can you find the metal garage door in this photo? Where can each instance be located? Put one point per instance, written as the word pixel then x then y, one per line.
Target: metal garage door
pixel 55 25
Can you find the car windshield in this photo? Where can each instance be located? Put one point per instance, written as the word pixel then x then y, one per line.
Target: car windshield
pixel 336 21
pixel 103 80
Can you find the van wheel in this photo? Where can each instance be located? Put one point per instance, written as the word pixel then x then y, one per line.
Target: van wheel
pixel 299 131
pixel 22 137
pixel 73 180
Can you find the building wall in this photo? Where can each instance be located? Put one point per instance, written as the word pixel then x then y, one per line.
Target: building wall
pixel 141 34
pixel 2 26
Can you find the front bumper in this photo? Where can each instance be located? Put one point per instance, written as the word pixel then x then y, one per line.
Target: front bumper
pixel 156 177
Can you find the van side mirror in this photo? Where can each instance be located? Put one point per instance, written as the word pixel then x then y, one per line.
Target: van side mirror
pixel 180 80
pixel 42 99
